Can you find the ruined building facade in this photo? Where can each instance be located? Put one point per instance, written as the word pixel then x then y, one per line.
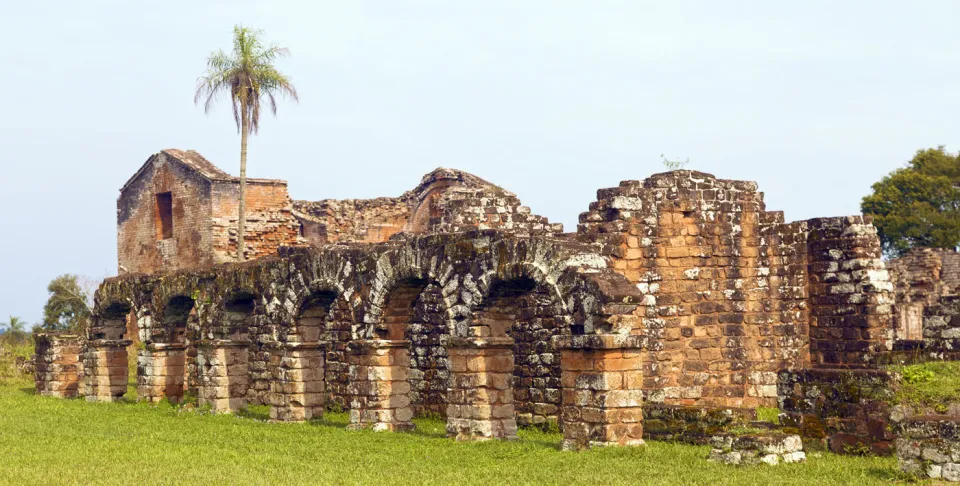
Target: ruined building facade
pixel 681 289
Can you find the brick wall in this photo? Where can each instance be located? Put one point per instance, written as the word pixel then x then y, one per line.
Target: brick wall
pixel 140 244
pixel 269 222
pixel 921 277
pixel 725 284
pixel 203 215
pixel 445 201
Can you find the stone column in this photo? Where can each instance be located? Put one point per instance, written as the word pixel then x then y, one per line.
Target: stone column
pixel 297 389
pixel 601 382
pixel 161 369
pixel 379 389
pixel 480 395
pixel 57 364
pixel 222 368
pixel 106 369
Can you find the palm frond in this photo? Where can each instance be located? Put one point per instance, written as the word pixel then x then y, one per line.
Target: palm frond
pixel 247 75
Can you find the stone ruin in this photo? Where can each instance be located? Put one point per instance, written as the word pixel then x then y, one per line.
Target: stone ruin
pixel 677 296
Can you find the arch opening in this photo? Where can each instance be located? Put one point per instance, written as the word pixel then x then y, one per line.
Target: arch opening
pixel 525 311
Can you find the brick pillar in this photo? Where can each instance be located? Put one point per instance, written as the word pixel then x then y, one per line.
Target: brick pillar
pixel 297 389
pixel 106 369
pixel 379 389
pixel 161 369
pixel 223 372
pixel 57 364
pixel 480 394
pixel 601 383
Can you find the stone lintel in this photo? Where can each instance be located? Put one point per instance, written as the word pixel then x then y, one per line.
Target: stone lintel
pixel 370 344
pixel 599 341
pixel 477 342
pixel 223 343
pixel 110 343
pixel 166 346
pixel 296 346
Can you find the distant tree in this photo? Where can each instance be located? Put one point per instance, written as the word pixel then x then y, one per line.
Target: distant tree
pixel 249 77
pixel 918 205
pixel 14 330
pixel 69 306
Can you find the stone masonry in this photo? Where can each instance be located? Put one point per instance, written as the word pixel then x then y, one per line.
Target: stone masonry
pixel 678 290
pixel 751 449
pixel 929 447
pixel 57 364
pixel 922 277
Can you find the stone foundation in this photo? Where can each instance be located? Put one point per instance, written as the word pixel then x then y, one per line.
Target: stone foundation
pixel 106 369
pixel 297 388
pixel 222 369
pixel 929 446
pixel 480 398
pixel 161 369
pixel 770 449
pixel 57 364
pixel 601 382
pixel 379 389
pixel 692 425
pixel 846 410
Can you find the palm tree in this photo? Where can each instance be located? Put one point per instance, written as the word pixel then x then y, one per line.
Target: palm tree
pixel 15 331
pixel 248 75
pixel 14 324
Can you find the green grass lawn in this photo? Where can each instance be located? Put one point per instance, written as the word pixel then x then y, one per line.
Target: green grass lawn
pixel 48 440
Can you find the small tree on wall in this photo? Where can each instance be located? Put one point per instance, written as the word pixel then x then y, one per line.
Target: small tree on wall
pixel 247 74
pixel 918 205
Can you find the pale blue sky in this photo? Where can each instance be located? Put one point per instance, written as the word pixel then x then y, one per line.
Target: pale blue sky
pixel 551 99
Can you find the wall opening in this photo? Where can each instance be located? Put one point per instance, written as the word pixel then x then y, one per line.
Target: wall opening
pixel 238 310
pixel 313 316
pixel 173 325
pixel 522 310
pixel 400 309
pixel 164 216
pixel 113 322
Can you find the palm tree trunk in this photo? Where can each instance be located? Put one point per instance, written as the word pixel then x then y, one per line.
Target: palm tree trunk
pixel 242 219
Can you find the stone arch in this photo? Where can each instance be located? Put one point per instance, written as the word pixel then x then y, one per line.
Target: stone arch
pixel 298 385
pixel 528 312
pixel 110 321
pixel 106 374
pixel 161 362
pixel 223 355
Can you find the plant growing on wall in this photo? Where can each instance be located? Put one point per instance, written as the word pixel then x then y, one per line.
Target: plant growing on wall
pixel 675 164
pixel 248 76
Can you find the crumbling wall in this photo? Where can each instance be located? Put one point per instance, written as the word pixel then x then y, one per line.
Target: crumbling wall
pixel 851 297
pixel 352 220
pixel 445 201
pixel 269 223
pixel 180 211
pixel 724 281
pixel 844 410
pixel 57 364
pixel 921 277
pixel 141 245
pixel 941 329
pixel 450 282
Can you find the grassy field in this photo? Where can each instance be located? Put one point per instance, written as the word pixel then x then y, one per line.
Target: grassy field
pixel 47 440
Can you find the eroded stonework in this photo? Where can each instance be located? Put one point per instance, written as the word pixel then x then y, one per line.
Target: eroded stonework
pixel 678 290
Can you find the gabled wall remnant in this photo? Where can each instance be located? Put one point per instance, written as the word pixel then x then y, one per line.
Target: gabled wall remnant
pixel 180 211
